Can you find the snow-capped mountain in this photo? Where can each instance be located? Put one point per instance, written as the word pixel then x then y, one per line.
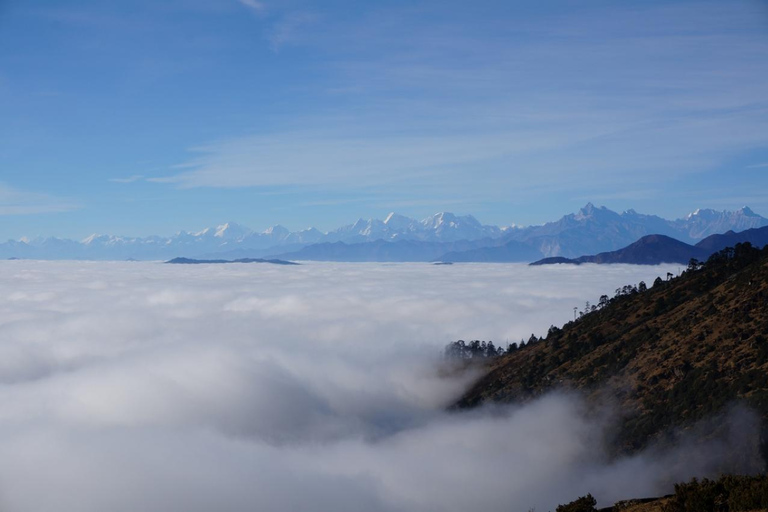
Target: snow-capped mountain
pixel 448 227
pixel 589 231
pixel 440 227
pixel 703 223
pixel 594 229
pixel 237 240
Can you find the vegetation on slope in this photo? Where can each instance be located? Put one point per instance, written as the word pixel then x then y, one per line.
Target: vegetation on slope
pixel 673 353
pixel 730 493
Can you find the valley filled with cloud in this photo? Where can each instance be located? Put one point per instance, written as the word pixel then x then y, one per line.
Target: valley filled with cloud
pixel 131 386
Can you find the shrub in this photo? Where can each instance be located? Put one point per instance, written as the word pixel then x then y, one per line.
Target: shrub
pixel 584 504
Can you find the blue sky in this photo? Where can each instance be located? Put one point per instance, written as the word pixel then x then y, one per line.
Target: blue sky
pixel 145 117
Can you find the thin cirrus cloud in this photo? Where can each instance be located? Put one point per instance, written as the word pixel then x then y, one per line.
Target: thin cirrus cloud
pixel 15 201
pixel 565 100
pixel 339 159
pixel 253 4
pixel 144 386
pixel 129 179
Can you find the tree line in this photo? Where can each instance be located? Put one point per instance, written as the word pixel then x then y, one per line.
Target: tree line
pixel 728 260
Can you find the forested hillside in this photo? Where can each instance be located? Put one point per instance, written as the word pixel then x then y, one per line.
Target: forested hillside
pixel 671 353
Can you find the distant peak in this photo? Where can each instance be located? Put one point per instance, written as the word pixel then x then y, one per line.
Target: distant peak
pixel 438 219
pixel 276 230
pixel 230 229
pixel 589 209
pixel 746 210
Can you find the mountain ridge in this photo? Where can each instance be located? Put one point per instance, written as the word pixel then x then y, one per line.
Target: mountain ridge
pixel 657 249
pixel 590 230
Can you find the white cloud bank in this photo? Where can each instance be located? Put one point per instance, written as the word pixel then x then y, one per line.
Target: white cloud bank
pixel 142 386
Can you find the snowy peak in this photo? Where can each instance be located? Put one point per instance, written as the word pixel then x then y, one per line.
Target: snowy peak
pixel 447 219
pixel 439 219
pixel 446 226
pixel 704 222
pixel 231 230
pixel 276 231
pixel 746 211
pixel 401 223
pixel 588 209
pixel 592 212
pixel 87 240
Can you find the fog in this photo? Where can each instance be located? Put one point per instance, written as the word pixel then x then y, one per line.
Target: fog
pixel 144 386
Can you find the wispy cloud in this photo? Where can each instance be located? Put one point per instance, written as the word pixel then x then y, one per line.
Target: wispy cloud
pixel 14 201
pixel 129 179
pixel 340 159
pixel 485 109
pixel 254 5
pixel 289 29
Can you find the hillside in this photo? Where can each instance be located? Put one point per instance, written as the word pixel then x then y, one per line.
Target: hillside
pixel 657 249
pixel 649 250
pixel 729 493
pixel 671 354
pixel 755 236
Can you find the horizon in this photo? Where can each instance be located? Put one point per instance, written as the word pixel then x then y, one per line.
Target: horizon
pixel 251 229
pixel 153 118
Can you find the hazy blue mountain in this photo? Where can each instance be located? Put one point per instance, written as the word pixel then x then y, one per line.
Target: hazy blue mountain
pixel 512 251
pixel 591 230
pixel 756 236
pixel 648 250
pixel 703 223
pixel 594 230
pixel 656 249
pixel 381 250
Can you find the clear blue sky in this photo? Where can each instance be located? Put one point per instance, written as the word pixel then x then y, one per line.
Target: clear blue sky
pixel 146 117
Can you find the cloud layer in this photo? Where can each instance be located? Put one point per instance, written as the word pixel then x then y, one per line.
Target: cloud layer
pixel 142 386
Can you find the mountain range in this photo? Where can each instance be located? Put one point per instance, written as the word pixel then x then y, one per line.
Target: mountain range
pixel 594 230
pixel 443 236
pixel 590 230
pixel 656 249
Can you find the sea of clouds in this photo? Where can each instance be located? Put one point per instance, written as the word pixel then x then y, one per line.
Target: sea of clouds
pixel 142 386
